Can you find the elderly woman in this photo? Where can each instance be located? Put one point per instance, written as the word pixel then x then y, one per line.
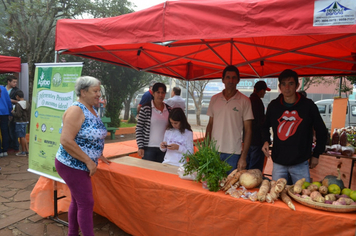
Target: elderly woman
pixel 151 125
pixel 82 144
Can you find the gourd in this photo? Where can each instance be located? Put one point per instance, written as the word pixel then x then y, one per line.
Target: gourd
pixel 251 178
pixel 331 179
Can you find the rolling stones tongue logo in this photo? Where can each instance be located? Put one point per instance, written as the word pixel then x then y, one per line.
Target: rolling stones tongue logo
pixel 288 124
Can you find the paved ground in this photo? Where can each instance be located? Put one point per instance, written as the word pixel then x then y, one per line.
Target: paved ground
pixel 16 184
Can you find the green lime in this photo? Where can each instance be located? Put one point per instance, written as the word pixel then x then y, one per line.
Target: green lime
pixel 346 191
pixel 317 183
pixel 305 185
pixel 353 195
pixel 335 189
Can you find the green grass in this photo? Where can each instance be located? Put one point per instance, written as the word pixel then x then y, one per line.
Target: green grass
pixel 126 125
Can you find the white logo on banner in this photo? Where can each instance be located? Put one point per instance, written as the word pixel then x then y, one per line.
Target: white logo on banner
pixel 341 12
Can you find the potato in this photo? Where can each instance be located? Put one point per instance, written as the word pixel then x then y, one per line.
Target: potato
pixel 306 192
pixel 251 178
pixel 317 197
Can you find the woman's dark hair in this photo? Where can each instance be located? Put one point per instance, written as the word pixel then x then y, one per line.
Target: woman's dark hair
pixel 177 114
pixel 156 86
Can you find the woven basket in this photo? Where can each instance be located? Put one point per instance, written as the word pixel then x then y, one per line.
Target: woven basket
pixel 320 206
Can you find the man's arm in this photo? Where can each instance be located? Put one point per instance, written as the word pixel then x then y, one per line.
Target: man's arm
pixel 209 128
pixel 241 165
pixel 146 97
pixel 321 134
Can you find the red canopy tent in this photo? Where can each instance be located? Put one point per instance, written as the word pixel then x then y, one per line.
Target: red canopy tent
pixel 197 39
pixel 9 64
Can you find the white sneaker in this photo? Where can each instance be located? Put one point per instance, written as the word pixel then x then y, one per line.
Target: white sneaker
pixel 4 154
pixel 21 154
pixel 1 154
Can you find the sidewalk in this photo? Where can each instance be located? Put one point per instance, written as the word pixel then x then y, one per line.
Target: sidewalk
pixel 16 184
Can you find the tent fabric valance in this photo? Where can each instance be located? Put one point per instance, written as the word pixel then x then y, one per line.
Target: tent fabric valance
pixel 196 39
pixel 9 64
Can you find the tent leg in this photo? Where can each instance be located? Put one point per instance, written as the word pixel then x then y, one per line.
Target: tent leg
pixel 55 207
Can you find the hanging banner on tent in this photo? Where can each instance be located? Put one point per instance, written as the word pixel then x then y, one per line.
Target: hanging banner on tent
pixel 53 93
pixel 331 12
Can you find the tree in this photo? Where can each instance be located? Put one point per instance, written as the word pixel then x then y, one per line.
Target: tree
pixel 196 89
pixel 138 80
pixel 352 79
pixel 28 26
pixel 345 87
pixel 120 84
pixel 29 29
pixel 316 80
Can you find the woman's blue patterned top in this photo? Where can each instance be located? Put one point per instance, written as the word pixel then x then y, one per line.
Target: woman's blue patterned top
pixel 90 139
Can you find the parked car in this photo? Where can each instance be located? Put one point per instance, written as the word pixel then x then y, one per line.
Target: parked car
pixel 326 107
pixel 137 99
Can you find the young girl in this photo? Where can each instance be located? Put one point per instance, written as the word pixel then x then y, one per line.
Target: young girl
pixel 178 138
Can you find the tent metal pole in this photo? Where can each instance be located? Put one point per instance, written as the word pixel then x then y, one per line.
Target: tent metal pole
pixel 231 50
pixel 187 100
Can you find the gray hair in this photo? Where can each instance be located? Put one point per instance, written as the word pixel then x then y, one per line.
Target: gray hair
pixel 84 82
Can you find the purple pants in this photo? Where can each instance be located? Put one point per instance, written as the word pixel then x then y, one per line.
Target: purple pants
pixel 80 214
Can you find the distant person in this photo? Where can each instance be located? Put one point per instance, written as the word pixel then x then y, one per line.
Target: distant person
pixel 230 114
pixel 293 118
pixel 178 138
pixel 176 100
pixel 12 89
pixel 21 119
pixel 5 111
pixel 151 125
pixel 81 146
pixel 255 156
pixel 146 97
pixel 102 105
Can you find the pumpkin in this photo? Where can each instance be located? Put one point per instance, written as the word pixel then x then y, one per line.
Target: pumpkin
pixel 331 179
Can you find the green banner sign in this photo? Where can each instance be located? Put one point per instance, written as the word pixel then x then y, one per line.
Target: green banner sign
pixel 53 93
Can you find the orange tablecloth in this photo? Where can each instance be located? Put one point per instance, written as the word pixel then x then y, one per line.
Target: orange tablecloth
pixel 149 202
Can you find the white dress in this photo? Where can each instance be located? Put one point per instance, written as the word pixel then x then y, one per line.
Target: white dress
pixel 185 142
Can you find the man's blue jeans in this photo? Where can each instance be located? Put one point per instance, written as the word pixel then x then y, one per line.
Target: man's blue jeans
pixel 4 126
pixel 232 161
pixel 296 172
pixel 14 142
pixel 255 158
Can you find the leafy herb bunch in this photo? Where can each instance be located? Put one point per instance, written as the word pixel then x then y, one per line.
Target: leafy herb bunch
pixel 351 139
pixel 206 162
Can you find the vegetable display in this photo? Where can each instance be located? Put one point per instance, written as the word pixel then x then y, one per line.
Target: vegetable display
pixel 207 164
pixel 238 184
pixel 323 195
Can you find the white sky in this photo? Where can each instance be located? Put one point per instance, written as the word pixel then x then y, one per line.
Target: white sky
pixel 143 4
